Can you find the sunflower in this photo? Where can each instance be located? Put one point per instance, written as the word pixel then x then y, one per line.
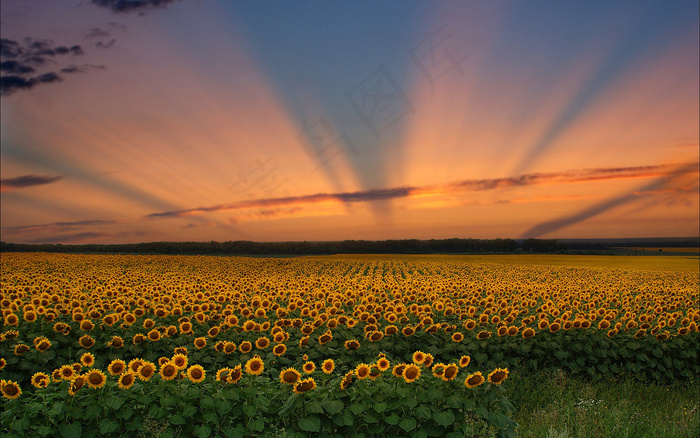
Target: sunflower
pixel 383 364
pixel 554 327
pixel 450 373
pixel 116 367
pixel 411 373
pixel 255 366
pixel 418 357
pixel 40 380
pixel 154 335
pixel 43 345
pixel 470 324
pixel 200 343
pixel 86 341
pixel 428 361
pixel 305 385
pixel 528 333
pixel 502 330
pixel 213 331
pixel 438 369
pixel 138 338
pixel 222 374
pixel 308 367
pixel 135 364
pixel 245 347
pixel 3 362
pixel 86 325
pixel 640 333
pixel 67 372
pixel 498 375
pixel 126 380
pixel 352 344
pixel 168 371
pixel 513 330
pixel 20 349
pixel 235 375
pixel 163 360
pixel 146 371
pixel 75 384
pixel 116 342
pixel 399 369
pixel 180 361
pixel 457 337
pixel 96 378
pixel 262 343
pixel 483 335
pixel 362 371
pixel 11 319
pixel 87 359
pixel 474 380
pixel 290 376
pixel 408 331
pixel 196 373
pixel 325 338
pixel 229 347
pixel 328 366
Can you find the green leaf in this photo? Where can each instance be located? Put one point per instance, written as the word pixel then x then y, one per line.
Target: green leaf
pixel 202 431
pixel 211 417
pixel 333 406
pixel 70 430
pixel 312 423
pixel 238 432
pixel 258 424
pixel 249 410
pixel 115 402
pixel 43 430
pixel 108 426
pixel 348 417
pixel 444 418
pixel 370 418
pixel 379 407
pixel 177 419
pixel 408 424
pixel 356 409
pixel 392 419
pixel 92 412
pixel 419 433
pixel 207 403
pixel 168 401
pixel 422 411
pixel 188 411
pixel 223 408
pixel 313 407
pixel 56 409
pixel 33 408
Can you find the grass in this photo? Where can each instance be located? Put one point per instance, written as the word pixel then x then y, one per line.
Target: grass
pixel 554 405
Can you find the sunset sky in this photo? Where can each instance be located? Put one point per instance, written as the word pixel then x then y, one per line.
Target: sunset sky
pixel 197 120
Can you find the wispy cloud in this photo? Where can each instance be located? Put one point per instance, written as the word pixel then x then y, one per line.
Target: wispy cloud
pixel 25 181
pixel 552 178
pixel 126 6
pixel 56 226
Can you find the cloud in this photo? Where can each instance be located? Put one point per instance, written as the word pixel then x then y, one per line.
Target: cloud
pixel 552 178
pixel 25 181
pixel 19 63
pixel 56 226
pixel 663 183
pixel 126 6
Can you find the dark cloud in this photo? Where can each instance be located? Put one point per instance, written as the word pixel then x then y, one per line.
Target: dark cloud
pixel 27 181
pixel 107 45
pixel 552 178
pixel 9 48
pixel 57 226
pixel 663 182
pixel 15 67
pixel 77 237
pixel 96 32
pixel 132 5
pixel 19 71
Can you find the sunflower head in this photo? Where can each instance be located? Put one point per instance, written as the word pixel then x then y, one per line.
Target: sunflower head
pixel 126 380
pixel 235 375
pixel 40 380
pixel 362 371
pixel 328 366
pixel 168 371
pixel 116 367
pixel 146 371
pixel 289 376
pixel 474 380
pixel 450 373
pixel 254 366
pixel 180 361
pixel 196 373
pixel 383 364
pixel 498 375
pixel 95 378
pixel 305 385
pixel 411 373
pixel 87 359
pixel 418 357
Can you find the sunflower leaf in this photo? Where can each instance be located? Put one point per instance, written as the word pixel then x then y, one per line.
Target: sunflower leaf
pixel 312 423
pixel 70 430
pixel 408 424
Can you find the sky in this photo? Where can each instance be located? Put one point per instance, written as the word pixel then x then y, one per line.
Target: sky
pixel 194 120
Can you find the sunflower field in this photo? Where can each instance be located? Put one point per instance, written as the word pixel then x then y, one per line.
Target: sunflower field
pixel 114 345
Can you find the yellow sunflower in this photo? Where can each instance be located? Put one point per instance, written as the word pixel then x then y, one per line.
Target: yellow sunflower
pixel 146 371
pixel 328 366
pixel 411 373
pixel 180 361
pixel 168 371
pixel 96 378
pixel 290 376
pixel 116 367
pixel 498 375
pixel 126 380
pixel 305 385
pixel 40 380
pixel 255 366
pixel 87 359
pixel 235 375
pixel 362 371
pixel 474 380
pixel 196 373
pixel 308 367
pixel 450 373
